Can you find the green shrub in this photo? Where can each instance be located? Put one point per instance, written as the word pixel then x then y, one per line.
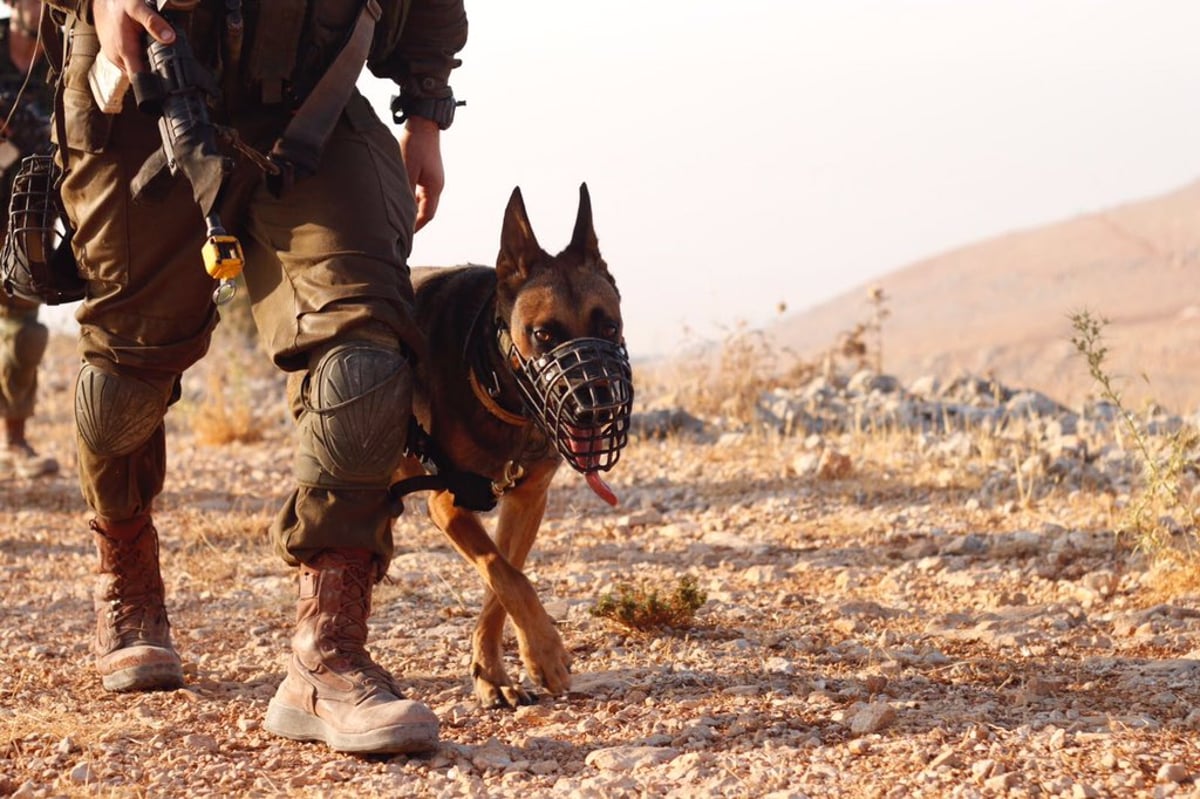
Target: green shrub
pixel 1152 517
pixel 640 607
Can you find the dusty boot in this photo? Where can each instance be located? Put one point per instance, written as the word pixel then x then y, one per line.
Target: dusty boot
pixel 19 458
pixel 333 691
pixel 24 461
pixel 133 637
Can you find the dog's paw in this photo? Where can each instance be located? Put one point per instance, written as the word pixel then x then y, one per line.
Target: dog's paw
pixel 547 661
pixel 554 677
pixel 498 692
pixel 502 697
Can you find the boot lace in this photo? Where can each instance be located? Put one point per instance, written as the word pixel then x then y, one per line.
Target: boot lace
pixel 135 594
pixel 348 628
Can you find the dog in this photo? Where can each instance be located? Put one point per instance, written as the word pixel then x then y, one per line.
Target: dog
pixel 526 369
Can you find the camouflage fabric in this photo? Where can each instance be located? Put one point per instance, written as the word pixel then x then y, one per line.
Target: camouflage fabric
pixel 29 127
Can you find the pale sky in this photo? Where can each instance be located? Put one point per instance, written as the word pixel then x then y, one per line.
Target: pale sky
pixel 740 154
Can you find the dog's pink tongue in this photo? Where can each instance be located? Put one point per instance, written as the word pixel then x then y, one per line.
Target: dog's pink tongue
pixel 597 484
pixel 582 447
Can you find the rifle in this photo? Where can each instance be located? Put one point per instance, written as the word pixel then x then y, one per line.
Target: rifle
pixel 176 90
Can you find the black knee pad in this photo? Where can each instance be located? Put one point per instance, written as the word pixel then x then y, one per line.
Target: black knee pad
pixel 116 414
pixel 357 405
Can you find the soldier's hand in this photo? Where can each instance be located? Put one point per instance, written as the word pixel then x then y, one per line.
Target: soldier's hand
pixel 421 148
pixel 119 25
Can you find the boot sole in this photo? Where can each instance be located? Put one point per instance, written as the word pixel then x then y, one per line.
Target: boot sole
pixel 300 725
pixel 155 677
pixel 142 667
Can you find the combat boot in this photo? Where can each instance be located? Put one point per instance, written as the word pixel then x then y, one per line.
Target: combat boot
pixel 333 691
pixel 133 637
pixel 23 461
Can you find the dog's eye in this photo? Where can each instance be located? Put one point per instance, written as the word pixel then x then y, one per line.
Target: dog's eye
pixel 543 336
pixel 611 331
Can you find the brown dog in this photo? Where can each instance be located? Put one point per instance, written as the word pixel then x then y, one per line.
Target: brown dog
pixel 526 368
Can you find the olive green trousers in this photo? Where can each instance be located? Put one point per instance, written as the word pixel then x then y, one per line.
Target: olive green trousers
pixel 326 263
pixel 23 341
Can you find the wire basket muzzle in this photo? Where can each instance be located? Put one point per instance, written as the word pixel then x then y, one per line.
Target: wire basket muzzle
pixel 36 263
pixel 581 394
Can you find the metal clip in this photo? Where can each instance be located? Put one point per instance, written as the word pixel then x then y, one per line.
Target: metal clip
pixel 513 472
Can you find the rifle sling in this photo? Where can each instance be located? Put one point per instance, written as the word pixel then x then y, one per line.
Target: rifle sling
pixel 298 150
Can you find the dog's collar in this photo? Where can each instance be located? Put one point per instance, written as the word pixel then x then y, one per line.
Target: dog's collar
pixel 494 408
pixel 482 356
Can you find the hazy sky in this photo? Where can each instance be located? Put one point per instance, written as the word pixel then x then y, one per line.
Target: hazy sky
pixel 743 154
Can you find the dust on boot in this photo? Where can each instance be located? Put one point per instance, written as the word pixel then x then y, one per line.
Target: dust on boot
pixel 334 692
pixel 21 459
pixel 133 637
pixel 23 341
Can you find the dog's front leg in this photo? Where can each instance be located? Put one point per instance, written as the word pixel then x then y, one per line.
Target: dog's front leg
pixel 493 688
pixel 541 646
pixel 520 518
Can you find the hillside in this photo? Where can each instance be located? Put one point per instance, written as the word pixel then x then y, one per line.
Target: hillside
pixel 1002 306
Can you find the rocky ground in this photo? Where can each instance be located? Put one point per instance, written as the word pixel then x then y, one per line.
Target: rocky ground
pixel 930 609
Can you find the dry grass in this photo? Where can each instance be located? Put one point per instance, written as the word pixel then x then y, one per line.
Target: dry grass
pixel 1175 574
pixel 1159 517
pixel 226 413
pixel 727 381
pixel 223 407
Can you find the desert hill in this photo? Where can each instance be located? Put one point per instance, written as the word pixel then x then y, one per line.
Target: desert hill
pixel 1003 306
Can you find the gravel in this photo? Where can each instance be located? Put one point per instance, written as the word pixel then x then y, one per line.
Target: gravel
pixel 878 628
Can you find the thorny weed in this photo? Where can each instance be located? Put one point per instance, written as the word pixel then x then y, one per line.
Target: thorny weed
pixel 879 311
pixel 1150 517
pixel 640 607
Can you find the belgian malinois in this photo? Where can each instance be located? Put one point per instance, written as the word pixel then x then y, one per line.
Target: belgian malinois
pixel 526 368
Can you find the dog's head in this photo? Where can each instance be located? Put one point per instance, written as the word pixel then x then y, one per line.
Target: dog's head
pixel 560 327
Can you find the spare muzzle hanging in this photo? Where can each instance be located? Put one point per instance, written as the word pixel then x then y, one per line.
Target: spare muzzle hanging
pixel 37 263
pixel 581 395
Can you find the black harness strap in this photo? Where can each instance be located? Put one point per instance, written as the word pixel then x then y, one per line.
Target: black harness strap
pixel 471 490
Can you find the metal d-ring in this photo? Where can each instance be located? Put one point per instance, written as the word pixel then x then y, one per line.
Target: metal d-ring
pixel 513 472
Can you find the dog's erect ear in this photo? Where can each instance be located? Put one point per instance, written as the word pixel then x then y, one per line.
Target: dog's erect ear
pixel 519 249
pixel 583 240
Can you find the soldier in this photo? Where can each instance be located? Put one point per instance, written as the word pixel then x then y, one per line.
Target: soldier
pixel 327 232
pixel 23 338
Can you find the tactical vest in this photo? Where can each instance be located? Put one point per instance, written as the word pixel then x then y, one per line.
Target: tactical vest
pixel 287 56
pixel 279 61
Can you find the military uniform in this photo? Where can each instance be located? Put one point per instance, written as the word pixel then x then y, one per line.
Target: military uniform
pixel 23 338
pixel 326 270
